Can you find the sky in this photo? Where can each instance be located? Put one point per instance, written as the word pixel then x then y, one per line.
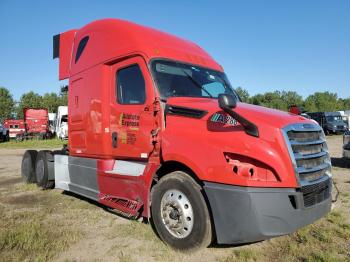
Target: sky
pixel 301 46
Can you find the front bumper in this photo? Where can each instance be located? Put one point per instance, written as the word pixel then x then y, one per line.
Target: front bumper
pixel 245 214
pixel 337 130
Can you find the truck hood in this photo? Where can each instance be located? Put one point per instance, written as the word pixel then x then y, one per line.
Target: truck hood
pixel 260 116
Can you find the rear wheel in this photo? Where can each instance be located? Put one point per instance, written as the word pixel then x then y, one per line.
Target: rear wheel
pixel 42 170
pixel 28 166
pixel 180 213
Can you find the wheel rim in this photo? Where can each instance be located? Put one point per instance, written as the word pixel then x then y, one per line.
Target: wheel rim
pixel 177 213
pixel 40 171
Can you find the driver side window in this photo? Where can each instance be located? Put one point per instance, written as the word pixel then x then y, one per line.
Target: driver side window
pixel 130 85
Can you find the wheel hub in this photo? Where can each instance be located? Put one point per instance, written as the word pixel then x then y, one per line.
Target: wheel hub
pixel 177 213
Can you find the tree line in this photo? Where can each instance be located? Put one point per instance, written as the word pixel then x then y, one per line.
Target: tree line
pixel 9 108
pixel 317 102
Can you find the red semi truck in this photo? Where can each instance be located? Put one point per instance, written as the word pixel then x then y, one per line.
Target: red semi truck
pixel 36 122
pixel 156 131
pixel 15 126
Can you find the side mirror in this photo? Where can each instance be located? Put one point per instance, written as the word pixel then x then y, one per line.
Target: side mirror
pixel 227 101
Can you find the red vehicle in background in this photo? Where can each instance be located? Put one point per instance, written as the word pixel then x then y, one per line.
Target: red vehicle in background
pixel 15 126
pixel 36 121
pixel 294 109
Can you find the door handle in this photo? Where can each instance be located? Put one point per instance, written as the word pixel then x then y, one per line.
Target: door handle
pixel 114 139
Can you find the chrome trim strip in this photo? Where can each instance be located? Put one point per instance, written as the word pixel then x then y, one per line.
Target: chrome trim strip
pixel 299 156
pixel 316 142
pixel 321 179
pixel 303 170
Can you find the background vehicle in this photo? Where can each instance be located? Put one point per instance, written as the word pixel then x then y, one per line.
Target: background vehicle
pixel 4 133
pixel 297 111
pixel 156 130
pixel 62 122
pixel 15 126
pixel 346 117
pixel 331 122
pixel 346 145
pixel 36 122
pixel 52 123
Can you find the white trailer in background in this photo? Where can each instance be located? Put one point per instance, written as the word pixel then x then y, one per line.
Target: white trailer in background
pixel 346 117
pixel 52 122
pixel 62 122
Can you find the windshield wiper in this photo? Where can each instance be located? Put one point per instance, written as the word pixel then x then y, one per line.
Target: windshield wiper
pixel 194 81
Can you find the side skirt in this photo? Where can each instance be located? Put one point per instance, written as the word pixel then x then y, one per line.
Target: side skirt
pixel 121 185
pixel 77 175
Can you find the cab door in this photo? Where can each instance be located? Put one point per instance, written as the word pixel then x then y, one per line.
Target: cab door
pixel 131 117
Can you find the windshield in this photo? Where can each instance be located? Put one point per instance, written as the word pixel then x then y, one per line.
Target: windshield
pixel 334 118
pixel 178 79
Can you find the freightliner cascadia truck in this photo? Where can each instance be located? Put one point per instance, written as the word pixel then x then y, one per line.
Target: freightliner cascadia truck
pixel 156 131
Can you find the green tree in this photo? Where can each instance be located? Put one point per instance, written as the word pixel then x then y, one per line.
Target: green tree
pixel 28 100
pixel 63 96
pixel 270 99
pixel 323 102
pixel 51 101
pixel 6 104
pixel 345 103
pixel 290 98
pixel 243 94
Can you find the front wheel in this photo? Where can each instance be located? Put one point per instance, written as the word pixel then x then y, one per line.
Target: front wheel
pixel 180 213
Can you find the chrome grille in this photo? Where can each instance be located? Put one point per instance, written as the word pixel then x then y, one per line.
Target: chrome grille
pixel 304 136
pixel 309 163
pixel 308 150
pixel 311 149
pixel 309 154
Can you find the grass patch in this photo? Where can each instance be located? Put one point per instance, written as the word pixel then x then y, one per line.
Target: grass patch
pixel 345 194
pixel 26 235
pixel 124 257
pixel 324 257
pixel 34 143
pixel 242 254
pixel 38 228
pixel 137 230
pixel 325 240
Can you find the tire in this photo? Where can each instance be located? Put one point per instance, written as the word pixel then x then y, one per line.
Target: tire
pixel 326 131
pixel 7 136
pixel 28 166
pixel 170 197
pixel 42 170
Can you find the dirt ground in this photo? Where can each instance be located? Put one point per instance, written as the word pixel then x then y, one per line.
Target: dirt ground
pixel 39 225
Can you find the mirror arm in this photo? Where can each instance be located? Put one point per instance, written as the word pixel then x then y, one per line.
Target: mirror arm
pixel 249 127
